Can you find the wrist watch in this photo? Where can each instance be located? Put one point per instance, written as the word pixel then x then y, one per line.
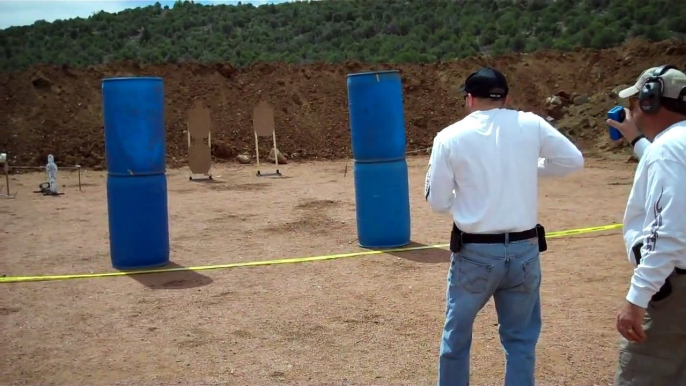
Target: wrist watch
pixel 638 138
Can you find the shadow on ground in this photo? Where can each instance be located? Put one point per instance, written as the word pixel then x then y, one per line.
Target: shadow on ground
pixel 207 181
pixel 172 280
pixel 427 254
pixel 270 176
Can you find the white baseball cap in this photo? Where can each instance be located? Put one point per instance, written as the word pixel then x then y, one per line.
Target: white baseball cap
pixel 674 84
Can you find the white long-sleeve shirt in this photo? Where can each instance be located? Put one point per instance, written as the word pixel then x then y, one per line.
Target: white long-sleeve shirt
pixel 656 212
pixel 484 169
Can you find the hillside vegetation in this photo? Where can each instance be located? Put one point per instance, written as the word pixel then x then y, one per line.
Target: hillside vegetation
pixel 371 31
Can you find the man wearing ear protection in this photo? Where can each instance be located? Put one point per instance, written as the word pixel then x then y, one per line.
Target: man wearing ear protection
pixel 652 320
pixel 484 172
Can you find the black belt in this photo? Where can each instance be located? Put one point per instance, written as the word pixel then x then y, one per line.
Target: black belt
pixel 498 238
pixel 680 271
pixel 459 238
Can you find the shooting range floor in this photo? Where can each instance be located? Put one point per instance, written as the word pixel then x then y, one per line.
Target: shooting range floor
pixel 363 320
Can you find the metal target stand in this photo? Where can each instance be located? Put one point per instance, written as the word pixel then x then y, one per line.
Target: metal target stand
pixel 43 187
pixel 276 158
pixel 263 126
pixel 6 168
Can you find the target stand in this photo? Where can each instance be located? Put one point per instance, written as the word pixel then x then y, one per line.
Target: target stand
pixel 44 188
pixel 6 167
pixel 198 127
pixel 263 125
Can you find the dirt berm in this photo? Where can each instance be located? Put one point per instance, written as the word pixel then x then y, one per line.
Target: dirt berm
pixel 58 110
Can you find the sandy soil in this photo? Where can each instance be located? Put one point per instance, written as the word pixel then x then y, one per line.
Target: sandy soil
pixel 365 320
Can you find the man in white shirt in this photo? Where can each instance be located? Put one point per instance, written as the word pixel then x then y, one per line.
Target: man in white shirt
pixel 652 320
pixel 484 171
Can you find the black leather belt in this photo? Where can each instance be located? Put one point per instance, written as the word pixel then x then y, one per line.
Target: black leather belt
pixel 680 271
pixel 498 238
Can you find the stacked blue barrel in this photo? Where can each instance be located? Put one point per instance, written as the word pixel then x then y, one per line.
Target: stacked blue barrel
pixel 377 129
pixel 133 114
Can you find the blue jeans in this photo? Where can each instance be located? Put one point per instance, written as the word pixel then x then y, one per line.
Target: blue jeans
pixel 511 273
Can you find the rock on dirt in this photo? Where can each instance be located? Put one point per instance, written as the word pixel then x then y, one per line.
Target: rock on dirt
pixel 222 150
pixel 243 159
pixel 580 100
pixel 555 106
pixel 281 157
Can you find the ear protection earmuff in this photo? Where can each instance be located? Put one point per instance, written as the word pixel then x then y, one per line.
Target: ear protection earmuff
pixel 651 92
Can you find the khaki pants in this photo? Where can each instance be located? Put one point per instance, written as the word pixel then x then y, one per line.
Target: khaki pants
pixel 660 360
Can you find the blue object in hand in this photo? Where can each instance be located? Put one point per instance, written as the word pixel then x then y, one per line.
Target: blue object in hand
pixel 617 114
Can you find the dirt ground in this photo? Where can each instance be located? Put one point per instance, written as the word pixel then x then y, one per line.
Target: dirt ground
pixel 368 320
pixel 53 110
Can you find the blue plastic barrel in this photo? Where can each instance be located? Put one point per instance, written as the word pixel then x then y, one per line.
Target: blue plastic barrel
pixel 382 204
pixel 377 130
pixel 377 121
pixel 138 221
pixel 133 113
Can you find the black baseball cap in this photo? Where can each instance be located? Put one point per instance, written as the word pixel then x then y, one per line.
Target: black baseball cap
pixel 486 83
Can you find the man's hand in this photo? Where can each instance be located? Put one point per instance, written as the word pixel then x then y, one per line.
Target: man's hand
pixel 627 128
pixel 630 322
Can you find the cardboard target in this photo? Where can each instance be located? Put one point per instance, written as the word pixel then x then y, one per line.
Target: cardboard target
pixel 263 119
pixel 263 125
pixel 199 125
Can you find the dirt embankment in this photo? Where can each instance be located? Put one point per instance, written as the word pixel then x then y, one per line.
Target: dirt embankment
pixel 58 110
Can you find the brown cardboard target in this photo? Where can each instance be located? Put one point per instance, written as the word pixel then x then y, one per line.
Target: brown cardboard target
pixel 263 119
pixel 199 125
pixel 199 158
pixel 199 121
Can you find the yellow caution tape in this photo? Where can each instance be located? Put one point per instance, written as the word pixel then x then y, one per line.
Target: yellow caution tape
pixel 17 279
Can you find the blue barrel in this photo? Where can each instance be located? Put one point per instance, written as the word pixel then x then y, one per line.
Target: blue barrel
pixel 377 121
pixel 133 112
pixel 382 203
pixel 377 131
pixel 138 222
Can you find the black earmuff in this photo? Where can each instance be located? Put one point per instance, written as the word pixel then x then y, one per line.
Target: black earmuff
pixel 651 92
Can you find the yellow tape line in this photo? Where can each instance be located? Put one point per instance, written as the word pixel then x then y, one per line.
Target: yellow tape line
pixel 16 279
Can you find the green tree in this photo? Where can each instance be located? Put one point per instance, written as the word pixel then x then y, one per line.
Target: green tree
pixel 372 31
